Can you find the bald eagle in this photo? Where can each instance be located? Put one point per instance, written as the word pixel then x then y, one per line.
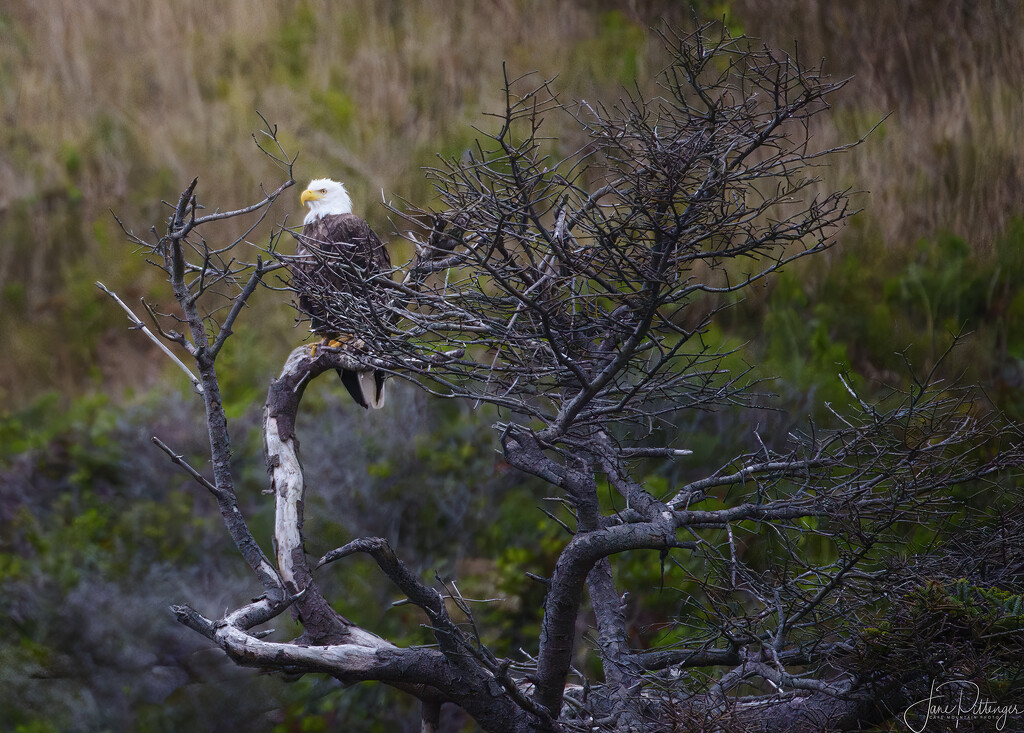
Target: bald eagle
pixel 337 271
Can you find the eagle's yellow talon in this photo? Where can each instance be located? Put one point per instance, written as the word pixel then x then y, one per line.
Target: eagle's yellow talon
pixel 328 343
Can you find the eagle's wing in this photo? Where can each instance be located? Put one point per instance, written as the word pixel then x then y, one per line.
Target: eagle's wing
pixel 338 266
pixel 357 243
pixel 312 274
pixel 339 259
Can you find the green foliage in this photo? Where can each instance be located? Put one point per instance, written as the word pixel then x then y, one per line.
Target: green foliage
pixel 720 10
pixel 318 707
pixel 940 288
pixel 248 362
pixel 71 157
pixel 51 419
pixel 987 603
pixel 614 53
pixel 85 529
pixel 868 307
pixel 38 725
pixel 800 345
pixel 335 110
pixel 291 47
pixel 958 627
pixel 93 517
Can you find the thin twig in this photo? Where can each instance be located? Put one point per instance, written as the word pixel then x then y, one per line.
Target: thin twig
pixel 152 336
pixel 178 459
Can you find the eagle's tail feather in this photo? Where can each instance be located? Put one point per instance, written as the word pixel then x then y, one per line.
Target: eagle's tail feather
pixel 372 384
pixel 366 388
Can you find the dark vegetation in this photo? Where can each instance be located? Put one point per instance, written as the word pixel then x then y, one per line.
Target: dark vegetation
pixel 98 531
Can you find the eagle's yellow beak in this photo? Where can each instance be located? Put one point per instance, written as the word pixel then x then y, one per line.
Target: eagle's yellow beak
pixel 309 195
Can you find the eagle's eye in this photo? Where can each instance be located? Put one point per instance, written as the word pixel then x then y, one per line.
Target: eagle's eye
pixel 323 190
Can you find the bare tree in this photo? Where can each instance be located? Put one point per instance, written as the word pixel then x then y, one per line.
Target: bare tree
pixel 573 290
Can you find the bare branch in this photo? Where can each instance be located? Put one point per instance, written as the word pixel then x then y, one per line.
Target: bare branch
pixel 180 461
pixel 142 327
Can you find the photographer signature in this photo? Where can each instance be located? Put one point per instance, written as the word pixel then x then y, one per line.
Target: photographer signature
pixel 957 700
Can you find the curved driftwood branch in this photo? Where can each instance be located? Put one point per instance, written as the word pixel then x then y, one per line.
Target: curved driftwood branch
pixel 457 672
pixel 321 622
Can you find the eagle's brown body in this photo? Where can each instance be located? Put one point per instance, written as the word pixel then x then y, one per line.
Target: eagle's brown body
pixel 338 255
pixel 337 272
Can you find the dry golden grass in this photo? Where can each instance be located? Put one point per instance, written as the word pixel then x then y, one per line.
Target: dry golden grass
pixel 950 73
pixel 116 104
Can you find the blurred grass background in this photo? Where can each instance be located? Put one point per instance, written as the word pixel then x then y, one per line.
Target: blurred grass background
pixel 113 105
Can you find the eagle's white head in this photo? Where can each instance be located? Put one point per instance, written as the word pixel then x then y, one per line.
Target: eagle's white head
pixel 325 198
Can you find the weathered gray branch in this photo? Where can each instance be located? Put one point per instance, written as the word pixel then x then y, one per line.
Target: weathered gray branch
pixel 216 420
pixel 475 680
pixel 322 624
pixel 137 323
